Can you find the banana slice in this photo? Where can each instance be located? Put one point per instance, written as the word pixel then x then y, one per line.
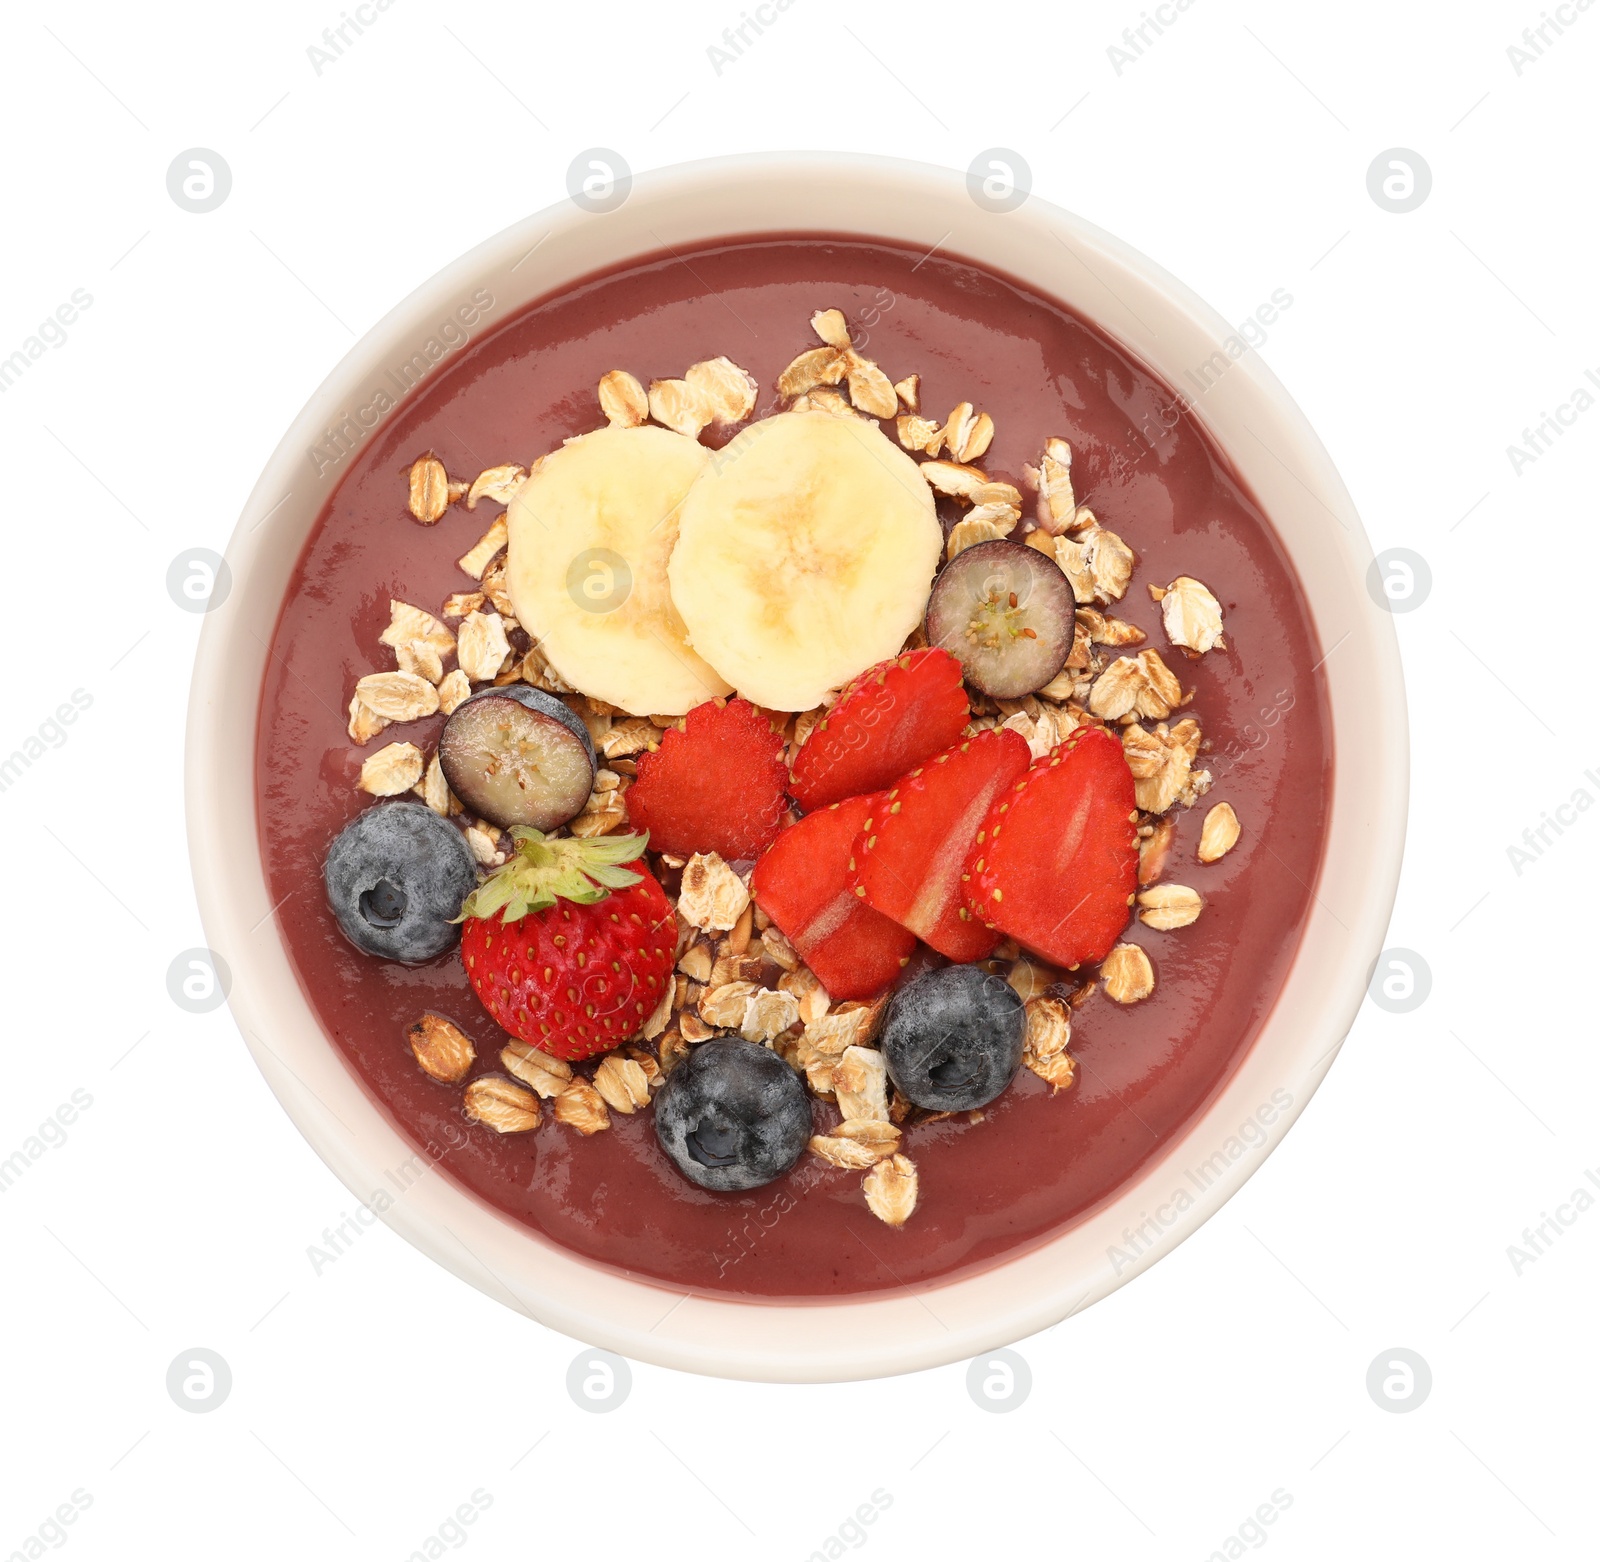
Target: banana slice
pixel 804 555
pixel 590 535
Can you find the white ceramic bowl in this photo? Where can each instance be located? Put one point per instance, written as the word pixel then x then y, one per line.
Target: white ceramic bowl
pixel 1274 449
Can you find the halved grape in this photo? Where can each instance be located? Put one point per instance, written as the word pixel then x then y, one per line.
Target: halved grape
pixel 516 755
pixel 1005 612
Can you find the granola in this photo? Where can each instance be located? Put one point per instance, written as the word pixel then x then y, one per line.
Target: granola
pixel 861 1083
pixel 891 1189
pixel 481 645
pixel 1140 685
pixel 397 696
pixel 392 770
pixel 622 1084
pixel 1219 834
pixel 857 1143
pixel 713 896
pixel 1168 906
pixel 967 434
pixel 1162 761
pixel 768 1014
pixel 1126 974
pixel 443 1050
pixel 716 391
pixel 623 399
pixel 498 483
pixel 581 1107
pixel 1097 562
pixel 429 489
pixel 454 687
pixel 487 548
pixel 408 624
pixel 1052 479
pixel 919 433
pixel 501 1105
pixel 1192 616
pixel 1155 843
pixel 545 1075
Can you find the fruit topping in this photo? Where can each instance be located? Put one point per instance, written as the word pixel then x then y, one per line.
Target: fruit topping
pixel 733 1115
pixel 894 716
pixel 567 949
pixel 804 554
pixel 1005 611
pixel 806 884
pixel 953 1038
pixel 911 852
pixel 395 876
pixel 516 755
pixel 591 531
pixel 1055 864
pixel 717 786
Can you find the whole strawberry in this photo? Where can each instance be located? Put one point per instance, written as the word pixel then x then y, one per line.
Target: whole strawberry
pixel 567 949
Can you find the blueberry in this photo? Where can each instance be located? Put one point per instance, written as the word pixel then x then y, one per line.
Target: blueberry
pixel 395 877
pixel 733 1115
pixel 953 1038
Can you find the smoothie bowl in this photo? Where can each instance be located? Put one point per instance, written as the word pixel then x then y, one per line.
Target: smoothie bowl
pixel 790 827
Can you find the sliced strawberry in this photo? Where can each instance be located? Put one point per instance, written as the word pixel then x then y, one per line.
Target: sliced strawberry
pixel 1056 863
pixel 806 884
pixel 717 786
pixel 894 716
pixel 911 853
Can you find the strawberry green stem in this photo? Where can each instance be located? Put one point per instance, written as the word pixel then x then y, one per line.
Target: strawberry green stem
pixel 542 871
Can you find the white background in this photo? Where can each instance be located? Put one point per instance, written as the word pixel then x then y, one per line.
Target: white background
pixel 372 1399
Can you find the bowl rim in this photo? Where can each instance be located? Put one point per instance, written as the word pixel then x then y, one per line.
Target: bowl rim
pixel 892 1331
